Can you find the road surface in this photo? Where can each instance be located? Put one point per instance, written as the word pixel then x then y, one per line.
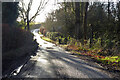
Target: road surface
pixel 52 61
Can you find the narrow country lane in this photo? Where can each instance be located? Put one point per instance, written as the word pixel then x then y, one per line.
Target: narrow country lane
pixel 51 61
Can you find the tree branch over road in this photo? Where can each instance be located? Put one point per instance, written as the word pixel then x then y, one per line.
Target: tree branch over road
pixel 25 9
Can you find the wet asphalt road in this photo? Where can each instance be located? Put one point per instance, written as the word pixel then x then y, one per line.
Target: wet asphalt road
pixel 52 61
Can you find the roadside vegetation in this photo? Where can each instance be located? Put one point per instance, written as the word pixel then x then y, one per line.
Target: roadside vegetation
pixel 17 43
pixel 90 29
pixel 98 55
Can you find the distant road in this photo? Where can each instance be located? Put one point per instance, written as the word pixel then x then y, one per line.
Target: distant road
pixel 52 61
pixel 35 26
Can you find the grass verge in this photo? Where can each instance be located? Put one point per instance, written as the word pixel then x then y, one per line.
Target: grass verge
pixel 47 39
pixel 112 62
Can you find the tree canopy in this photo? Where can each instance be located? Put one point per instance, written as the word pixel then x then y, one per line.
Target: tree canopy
pixel 88 21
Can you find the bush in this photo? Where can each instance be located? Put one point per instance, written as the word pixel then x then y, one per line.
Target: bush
pixel 42 29
pixel 13 38
pixel 97 43
pixel 72 41
pixel 53 35
pixel 16 44
pixel 44 32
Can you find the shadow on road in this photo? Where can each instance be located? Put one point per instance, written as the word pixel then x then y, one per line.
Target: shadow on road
pixel 60 65
pixel 82 66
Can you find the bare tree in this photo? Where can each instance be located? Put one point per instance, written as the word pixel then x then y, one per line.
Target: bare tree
pixel 25 11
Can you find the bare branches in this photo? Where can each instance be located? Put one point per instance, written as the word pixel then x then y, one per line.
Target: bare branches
pixel 40 8
pixel 25 10
pixel 29 5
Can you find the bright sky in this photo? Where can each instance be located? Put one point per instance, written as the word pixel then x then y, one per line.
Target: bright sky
pixel 48 8
pixel 51 5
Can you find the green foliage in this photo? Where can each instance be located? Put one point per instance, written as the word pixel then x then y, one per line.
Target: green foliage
pixel 58 21
pixel 75 43
pixel 97 43
pixel 110 60
pixel 108 43
pixel 56 36
pixel 47 39
pixel 102 28
pixel 53 35
pixel 88 43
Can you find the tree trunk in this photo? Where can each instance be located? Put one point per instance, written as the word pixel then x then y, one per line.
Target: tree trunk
pixel 118 27
pixel 28 26
pixel 108 10
pixel 77 15
pixel 82 17
pixel 25 27
pixel 25 24
pixel 85 23
pixel 91 36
